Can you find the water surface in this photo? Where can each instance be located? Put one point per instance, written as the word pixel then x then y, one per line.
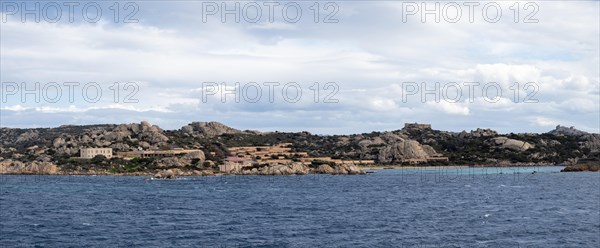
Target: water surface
pixel 457 207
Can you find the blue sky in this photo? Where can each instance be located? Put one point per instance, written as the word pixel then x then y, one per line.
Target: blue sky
pixel 369 54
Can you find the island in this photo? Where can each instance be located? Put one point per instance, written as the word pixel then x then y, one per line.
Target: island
pixel 212 148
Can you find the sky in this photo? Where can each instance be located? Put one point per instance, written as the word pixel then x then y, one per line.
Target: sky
pixel 350 67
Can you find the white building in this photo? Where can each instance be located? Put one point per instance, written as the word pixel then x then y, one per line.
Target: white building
pixel 92 152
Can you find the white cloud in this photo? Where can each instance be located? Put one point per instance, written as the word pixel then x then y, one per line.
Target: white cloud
pixel 383 105
pixel 75 109
pixel 369 53
pixel 450 108
pixel 545 122
pixel 273 26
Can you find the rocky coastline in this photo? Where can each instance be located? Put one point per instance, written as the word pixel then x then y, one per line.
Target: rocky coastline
pixel 276 170
pixel 56 151
pixel 591 163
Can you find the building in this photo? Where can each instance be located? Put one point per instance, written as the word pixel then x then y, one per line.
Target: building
pixel 235 164
pixel 236 160
pixel 154 153
pixel 437 157
pixel 93 152
pixel 229 167
pixel 281 154
pixel 417 126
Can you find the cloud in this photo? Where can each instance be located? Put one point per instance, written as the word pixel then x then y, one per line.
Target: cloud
pixel 545 122
pixel 75 109
pixel 369 53
pixel 273 26
pixel 450 108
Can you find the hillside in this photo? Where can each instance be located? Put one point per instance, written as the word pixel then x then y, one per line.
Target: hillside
pixel 54 150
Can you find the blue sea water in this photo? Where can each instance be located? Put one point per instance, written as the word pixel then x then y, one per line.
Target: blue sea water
pixel 449 207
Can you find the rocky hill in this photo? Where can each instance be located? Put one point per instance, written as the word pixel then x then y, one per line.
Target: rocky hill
pixel 51 150
pixel 484 146
pixel 210 129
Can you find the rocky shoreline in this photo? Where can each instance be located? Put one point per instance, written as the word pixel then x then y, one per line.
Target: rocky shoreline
pixel 274 170
pixel 591 163
pixel 581 168
pixel 147 150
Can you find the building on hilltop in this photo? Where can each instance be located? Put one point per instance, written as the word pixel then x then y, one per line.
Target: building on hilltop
pixel 93 152
pixel 417 126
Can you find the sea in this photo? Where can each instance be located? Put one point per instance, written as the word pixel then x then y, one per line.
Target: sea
pixel 406 207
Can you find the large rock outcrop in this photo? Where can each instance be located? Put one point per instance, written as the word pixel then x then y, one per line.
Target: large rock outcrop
pixel 123 137
pixel 391 147
pixel 348 170
pixel 27 136
pixel 592 142
pixel 300 169
pixel 193 158
pixel 143 131
pixel 402 150
pixel 324 169
pixel 512 144
pixel 208 129
pixel 572 131
pixel 17 167
pixel 276 170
